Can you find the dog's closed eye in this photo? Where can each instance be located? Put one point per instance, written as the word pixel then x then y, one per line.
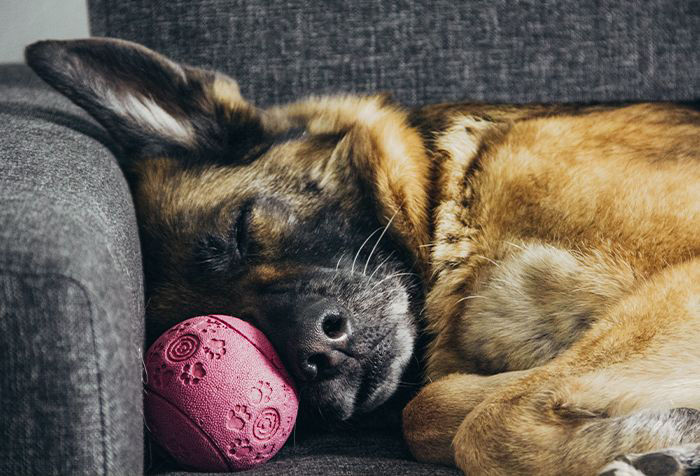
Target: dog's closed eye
pixel 226 254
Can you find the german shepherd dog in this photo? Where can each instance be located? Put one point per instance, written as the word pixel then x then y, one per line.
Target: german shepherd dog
pixel 550 253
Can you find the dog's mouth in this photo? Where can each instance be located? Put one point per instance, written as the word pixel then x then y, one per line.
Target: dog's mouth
pixel 365 384
pixel 379 381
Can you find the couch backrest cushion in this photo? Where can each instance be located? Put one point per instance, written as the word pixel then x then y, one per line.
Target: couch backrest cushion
pixel 427 51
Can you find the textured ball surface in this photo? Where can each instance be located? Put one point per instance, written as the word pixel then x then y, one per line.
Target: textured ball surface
pixel 217 396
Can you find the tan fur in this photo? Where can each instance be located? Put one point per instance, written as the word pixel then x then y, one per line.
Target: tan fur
pixel 564 249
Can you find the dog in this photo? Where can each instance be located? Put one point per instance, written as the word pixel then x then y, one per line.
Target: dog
pixel 550 254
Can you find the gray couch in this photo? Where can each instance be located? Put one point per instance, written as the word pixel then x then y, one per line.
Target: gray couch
pixel 71 290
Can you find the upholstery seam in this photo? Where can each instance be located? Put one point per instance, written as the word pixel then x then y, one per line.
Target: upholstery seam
pixel 91 305
pixel 99 217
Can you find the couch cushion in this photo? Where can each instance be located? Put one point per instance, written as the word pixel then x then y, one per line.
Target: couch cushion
pixel 71 291
pixel 351 452
pixel 442 50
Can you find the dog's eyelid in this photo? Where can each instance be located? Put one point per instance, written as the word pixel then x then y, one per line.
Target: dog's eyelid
pixel 240 231
pixel 212 252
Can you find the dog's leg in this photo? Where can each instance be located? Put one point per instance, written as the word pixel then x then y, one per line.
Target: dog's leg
pixel 617 391
pixel 431 419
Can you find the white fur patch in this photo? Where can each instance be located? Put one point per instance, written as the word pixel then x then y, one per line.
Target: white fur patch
pixel 403 340
pixel 458 142
pixel 620 468
pixel 148 114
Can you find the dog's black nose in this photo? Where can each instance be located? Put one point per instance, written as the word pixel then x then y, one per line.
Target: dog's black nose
pixel 323 340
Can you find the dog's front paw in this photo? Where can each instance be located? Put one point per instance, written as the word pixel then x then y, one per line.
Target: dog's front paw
pixel 426 431
pixel 620 467
pixel 432 418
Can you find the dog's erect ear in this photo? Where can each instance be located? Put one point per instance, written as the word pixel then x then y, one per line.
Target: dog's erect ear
pixel 149 104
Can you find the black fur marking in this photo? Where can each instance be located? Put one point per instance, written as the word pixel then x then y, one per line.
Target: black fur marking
pixel 213 253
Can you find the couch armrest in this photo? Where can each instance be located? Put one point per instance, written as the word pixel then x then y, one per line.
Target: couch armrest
pixel 71 292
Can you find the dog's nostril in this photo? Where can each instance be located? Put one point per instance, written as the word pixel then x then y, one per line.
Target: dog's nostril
pixel 335 326
pixel 311 366
pixel 322 365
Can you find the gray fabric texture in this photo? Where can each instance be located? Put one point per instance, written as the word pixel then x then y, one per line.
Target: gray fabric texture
pixel 342 453
pixel 443 50
pixel 71 292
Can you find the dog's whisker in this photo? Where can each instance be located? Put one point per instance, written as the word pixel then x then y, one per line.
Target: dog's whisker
pixel 380 265
pixel 364 271
pixel 337 265
pixel 391 276
pixel 352 270
pixel 471 297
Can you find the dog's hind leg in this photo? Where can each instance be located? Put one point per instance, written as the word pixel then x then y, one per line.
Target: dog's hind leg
pixel 678 461
pixel 621 390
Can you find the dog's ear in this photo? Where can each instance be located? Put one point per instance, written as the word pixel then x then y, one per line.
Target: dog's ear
pixel 150 105
pixel 390 160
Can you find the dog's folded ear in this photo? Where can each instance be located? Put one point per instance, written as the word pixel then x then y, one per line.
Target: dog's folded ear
pixel 150 105
pixel 389 159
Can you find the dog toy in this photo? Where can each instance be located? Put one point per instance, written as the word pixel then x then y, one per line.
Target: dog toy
pixel 217 396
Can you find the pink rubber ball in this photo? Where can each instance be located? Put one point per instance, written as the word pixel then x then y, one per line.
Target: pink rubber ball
pixel 217 396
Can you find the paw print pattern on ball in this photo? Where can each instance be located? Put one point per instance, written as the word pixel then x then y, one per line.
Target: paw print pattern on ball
pixel 238 417
pixel 261 393
pixel 287 395
pixel 211 326
pixel 215 349
pixel 179 328
pixel 288 424
pixel 192 374
pixel 162 376
pixel 215 324
pixel 154 353
pixel 265 452
pixel 240 448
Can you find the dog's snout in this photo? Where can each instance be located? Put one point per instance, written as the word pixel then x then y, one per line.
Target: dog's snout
pixel 324 336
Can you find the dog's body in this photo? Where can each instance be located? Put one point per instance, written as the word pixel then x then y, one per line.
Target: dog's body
pixel 558 248
pixel 566 261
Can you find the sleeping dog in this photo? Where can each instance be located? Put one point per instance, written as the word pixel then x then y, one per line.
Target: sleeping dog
pixel 550 253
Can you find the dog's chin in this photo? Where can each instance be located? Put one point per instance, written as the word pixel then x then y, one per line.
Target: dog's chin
pixel 366 386
pixel 327 401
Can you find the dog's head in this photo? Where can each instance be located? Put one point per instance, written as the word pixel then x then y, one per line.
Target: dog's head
pixel 306 220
